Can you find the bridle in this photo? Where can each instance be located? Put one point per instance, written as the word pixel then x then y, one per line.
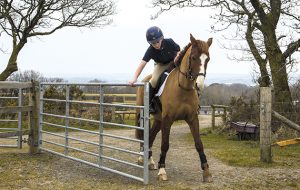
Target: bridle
pixel 189 75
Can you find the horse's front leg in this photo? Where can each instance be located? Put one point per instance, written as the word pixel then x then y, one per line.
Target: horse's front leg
pixel 152 135
pixel 165 134
pixel 194 126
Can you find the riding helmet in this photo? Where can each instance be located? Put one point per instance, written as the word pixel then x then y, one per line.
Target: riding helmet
pixel 154 34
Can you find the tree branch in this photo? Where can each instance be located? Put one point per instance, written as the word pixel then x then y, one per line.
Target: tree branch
pixel 27 18
pixel 292 47
pixel 260 11
pixel 275 10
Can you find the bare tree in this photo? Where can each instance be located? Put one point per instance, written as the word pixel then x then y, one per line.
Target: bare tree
pixel 26 76
pixel 269 27
pixel 21 20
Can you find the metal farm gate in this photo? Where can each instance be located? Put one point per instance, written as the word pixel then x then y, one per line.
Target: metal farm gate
pixel 83 130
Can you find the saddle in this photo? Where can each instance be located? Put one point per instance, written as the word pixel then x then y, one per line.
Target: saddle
pixel 159 87
pixel 163 76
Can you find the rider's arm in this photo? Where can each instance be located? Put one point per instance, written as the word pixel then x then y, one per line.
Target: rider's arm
pixel 138 71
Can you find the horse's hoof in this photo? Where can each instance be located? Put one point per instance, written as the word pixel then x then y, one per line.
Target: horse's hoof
pixel 152 166
pixel 140 162
pixel 151 163
pixel 163 177
pixel 207 177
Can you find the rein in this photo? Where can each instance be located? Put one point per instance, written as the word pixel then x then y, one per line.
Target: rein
pixel 184 88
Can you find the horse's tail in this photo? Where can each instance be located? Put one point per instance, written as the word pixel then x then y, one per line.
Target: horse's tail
pixel 139 134
pixel 139 102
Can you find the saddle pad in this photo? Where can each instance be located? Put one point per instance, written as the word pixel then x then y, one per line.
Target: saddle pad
pixel 161 88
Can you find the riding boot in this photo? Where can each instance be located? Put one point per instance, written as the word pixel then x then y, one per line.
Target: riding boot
pixel 151 97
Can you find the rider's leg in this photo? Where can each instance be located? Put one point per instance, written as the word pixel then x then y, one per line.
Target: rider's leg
pixel 151 96
pixel 158 69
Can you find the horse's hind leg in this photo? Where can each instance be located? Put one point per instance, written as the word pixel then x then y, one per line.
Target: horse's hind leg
pixel 152 135
pixel 194 126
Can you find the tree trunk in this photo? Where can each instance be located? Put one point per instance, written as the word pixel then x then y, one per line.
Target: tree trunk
pixel 280 78
pixel 264 80
pixel 12 65
pixel 282 94
pixel 280 81
pixel 10 68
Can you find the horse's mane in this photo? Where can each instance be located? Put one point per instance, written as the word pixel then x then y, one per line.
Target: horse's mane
pixel 181 54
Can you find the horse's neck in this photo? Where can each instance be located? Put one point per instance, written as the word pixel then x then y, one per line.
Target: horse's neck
pixel 184 67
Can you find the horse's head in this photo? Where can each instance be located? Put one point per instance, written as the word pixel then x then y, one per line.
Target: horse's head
pixel 199 58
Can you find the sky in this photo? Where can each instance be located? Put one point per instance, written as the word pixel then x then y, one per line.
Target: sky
pixel 119 47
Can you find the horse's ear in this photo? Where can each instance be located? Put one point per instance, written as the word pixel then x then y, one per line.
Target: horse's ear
pixel 193 40
pixel 209 42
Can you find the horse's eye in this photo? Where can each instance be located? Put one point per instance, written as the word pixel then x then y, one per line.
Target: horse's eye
pixel 207 60
pixel 194 58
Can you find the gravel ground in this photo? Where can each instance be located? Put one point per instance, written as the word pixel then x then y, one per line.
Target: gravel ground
pixel 48 171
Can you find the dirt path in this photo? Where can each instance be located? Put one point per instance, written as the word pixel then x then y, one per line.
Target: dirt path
pixel 182 166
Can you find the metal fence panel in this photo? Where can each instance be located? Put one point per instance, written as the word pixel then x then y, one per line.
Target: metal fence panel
pixel 65 133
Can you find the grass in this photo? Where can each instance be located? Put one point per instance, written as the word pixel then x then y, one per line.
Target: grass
pixel 18 170
pixel 247 153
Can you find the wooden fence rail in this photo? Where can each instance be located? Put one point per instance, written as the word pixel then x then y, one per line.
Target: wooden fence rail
pixel 15 109
pixel 286 121
pixel 13 133
pixel 214 115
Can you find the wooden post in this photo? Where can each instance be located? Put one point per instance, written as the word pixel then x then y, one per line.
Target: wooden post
pixel 225 115
pixel 34 119
pixel 265 124
pixel 113 108
pixel 213 117
pixel 20 113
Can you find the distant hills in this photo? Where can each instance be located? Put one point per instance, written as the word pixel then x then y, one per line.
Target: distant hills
pixel 210 78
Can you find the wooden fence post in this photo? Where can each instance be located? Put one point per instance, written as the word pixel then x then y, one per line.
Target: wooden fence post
pixel 213 116
pixel 225 115
pixel 34 119
pixel 265 124
pixel 113 108
pixel 215 108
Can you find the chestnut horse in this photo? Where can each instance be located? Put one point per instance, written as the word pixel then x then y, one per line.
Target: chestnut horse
pixel 179 101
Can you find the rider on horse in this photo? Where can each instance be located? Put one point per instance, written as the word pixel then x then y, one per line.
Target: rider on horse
pixel 163 51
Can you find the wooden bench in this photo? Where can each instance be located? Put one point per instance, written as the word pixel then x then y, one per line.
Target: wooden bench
pixel 13 133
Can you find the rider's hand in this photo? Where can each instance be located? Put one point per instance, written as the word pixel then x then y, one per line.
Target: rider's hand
pixel 131 83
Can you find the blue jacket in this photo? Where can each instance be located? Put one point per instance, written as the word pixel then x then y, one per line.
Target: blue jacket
pixel 165 54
